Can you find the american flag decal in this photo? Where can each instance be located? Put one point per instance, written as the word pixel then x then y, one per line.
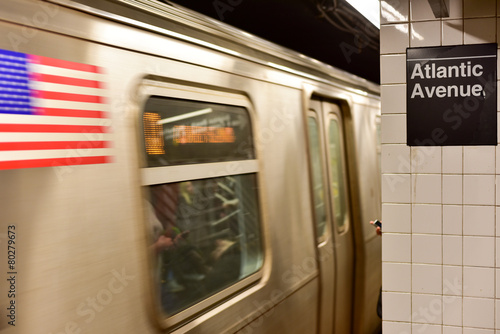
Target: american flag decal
pixel 52 113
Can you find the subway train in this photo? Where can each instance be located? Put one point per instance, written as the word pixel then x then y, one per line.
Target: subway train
pixel 163 172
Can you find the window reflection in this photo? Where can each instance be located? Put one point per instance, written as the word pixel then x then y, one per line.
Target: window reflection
pixel 337 175
pixel 317 175
pixel 206 237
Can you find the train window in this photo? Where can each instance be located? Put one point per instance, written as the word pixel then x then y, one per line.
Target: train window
pixel 206 238
pixel 337 184
pixel 317 176
pixel 178 132
pixel 204 222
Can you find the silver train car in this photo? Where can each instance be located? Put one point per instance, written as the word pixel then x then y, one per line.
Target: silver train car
pixel 162 172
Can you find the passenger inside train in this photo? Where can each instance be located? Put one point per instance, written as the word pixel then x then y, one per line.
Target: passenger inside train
pixel 206 239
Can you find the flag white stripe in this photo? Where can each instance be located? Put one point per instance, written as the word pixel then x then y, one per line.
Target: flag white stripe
pixel 54 154
pixel 64 72
pixel 44 103
pixel 61 88
pixel 29 119
pixel 10 137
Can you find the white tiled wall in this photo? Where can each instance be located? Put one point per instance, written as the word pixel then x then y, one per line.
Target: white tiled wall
pixel 441 205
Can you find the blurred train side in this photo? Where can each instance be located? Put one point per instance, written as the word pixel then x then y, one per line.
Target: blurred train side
pixel 81 230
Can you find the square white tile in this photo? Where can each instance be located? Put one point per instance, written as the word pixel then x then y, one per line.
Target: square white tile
pixel 452 310
pixel 426 328
pixel 395 158
pixel 396 306
pixel 394 38
pixel 497 248
pixel 497 284
pixel 497 314
pixel 396 248
pixel 497 177
pixel 396 218
pixel 452 250
pixel 427 309
pixel 396 188
pixel 393 129
pixel 426 278
pixel 456 9
pixel 452 330
pixel 497 153
pixel 452 189
pixel 425 34
pixel 478 31
pixel 452 219
pixel 389 327
pixel 479 160
pixel 452 159
pixel 469 330
pixel 426 248
pixel 426 188
pixel 393 69
pixel 453 32
pixel 396 277
pixel 479 189
pixel 478 312
pixel 452 281
pixel 426 159
pixel 479 251
pixel 479 220
pixel 420 11
pixel 394 11
pixel 479 282
pixel 393 99
pixel 426 218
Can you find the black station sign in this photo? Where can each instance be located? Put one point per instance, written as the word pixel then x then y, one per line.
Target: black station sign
pixel 452 95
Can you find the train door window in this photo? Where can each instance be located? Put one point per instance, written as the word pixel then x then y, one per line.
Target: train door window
pixel 202 203
pixel 317 175
pixel 337 171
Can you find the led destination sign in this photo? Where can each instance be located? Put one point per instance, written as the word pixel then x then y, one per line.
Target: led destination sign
pixel 187 134
pixel 178 132
pixel 451 95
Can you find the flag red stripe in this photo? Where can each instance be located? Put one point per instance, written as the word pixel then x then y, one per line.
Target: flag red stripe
pixel 66 80
pixel 42 94
pixel 71 112
pixel 53 145
pixel 54 162
pixel 53 128
pixel 64 64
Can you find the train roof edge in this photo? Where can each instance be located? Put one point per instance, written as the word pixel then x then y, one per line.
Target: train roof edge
pixel 229 38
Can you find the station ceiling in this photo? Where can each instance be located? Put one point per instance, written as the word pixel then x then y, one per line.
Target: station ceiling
pixel 328 30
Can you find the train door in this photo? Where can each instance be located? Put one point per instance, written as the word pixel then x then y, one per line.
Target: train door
pixel 321 218
pixel 342 231
pixel 331 216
